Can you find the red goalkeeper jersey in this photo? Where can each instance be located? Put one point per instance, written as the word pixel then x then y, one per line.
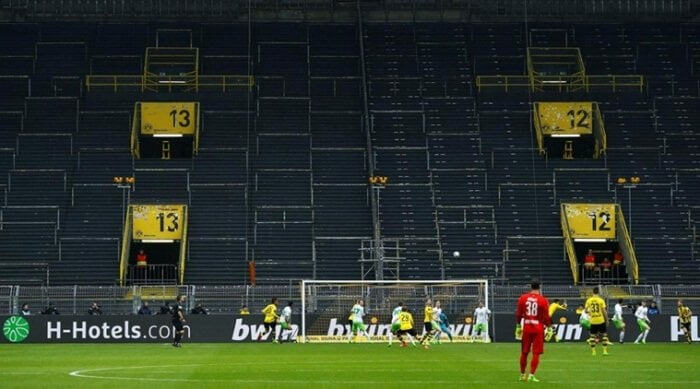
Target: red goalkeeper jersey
pixel 533 310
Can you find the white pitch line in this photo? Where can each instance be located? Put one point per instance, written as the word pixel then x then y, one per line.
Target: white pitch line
pixel 86 373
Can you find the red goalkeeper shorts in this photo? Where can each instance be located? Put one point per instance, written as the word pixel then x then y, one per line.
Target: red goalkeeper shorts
pixel 533 338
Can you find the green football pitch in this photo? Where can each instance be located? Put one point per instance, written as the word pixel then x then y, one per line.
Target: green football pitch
pixel 335 365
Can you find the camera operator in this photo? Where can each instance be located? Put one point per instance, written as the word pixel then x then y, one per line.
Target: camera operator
pixel 94 309
pixel 199 310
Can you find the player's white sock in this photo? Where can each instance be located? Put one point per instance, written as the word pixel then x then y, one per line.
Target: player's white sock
pixel 644 339
pixel 391 338
pixel 366 334
pixel 639 338
pixel 350 335
pixel 485 336
pixel 622 336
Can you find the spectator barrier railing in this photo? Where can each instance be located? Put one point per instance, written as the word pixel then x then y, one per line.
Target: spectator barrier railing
pixel 228 299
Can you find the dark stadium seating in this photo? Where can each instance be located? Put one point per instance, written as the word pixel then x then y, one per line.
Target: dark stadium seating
pixel 281 176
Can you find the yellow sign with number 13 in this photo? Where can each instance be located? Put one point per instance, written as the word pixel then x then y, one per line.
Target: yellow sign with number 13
pixel 168 118
pixel 157 222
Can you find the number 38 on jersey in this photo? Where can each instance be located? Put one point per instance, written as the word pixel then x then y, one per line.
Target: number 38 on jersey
pixel 157 222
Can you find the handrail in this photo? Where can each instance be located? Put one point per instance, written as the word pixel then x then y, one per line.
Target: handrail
pixel 522 81
pixel 126 246
pixel 135 130
pixel 183 246
pixel 601 144
pixel 538 127
pixel 198 128
pixel 624 236
pixel 171 81
pixel 569 245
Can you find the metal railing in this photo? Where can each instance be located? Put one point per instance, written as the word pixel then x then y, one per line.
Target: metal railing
pixel 626 245
pixel 611 81
pixel 228 299
pixel 569 245
pixel 170 83
pixel 159 274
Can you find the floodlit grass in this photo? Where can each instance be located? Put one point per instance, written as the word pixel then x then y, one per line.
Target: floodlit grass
pixel 337 365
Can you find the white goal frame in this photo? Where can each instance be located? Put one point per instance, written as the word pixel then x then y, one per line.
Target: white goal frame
pixel 306 283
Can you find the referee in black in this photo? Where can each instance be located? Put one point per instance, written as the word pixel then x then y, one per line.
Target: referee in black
pixel 179 319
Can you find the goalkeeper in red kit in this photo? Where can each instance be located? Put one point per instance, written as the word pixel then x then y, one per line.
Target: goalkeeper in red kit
pixel 531 316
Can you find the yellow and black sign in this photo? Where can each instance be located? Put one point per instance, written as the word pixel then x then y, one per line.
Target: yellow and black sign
pixel 590 221
pixel 157 222
pixel 169 118
pixel 565 118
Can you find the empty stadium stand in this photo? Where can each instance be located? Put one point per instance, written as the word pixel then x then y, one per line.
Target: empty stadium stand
pixel 281 176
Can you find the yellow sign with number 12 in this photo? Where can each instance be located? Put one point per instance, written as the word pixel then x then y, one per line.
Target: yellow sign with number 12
pixel 595 221
pixel 566 118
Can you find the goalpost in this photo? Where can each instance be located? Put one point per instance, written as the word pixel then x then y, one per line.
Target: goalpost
pixel 326 304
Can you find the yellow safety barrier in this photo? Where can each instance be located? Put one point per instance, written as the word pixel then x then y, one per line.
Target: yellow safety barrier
pixel 170 83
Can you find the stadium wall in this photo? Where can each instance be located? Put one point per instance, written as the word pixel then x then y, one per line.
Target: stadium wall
pixel 231 328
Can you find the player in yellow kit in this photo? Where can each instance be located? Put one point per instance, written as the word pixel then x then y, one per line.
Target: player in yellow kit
pixel 427 323
pixel 553 308
pixel 595 306
pixel 684 317
pixel 270 319
pixel 556 306
pixel 406 326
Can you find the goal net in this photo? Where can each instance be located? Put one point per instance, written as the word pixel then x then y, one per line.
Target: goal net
pixel 326 306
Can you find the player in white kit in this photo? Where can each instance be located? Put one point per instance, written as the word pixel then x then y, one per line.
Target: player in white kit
pixel 358 326
pixel 643 322
pixel 618 321
pixel 481 323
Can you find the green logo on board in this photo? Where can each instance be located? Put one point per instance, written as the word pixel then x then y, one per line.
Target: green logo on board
pixel 15 329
